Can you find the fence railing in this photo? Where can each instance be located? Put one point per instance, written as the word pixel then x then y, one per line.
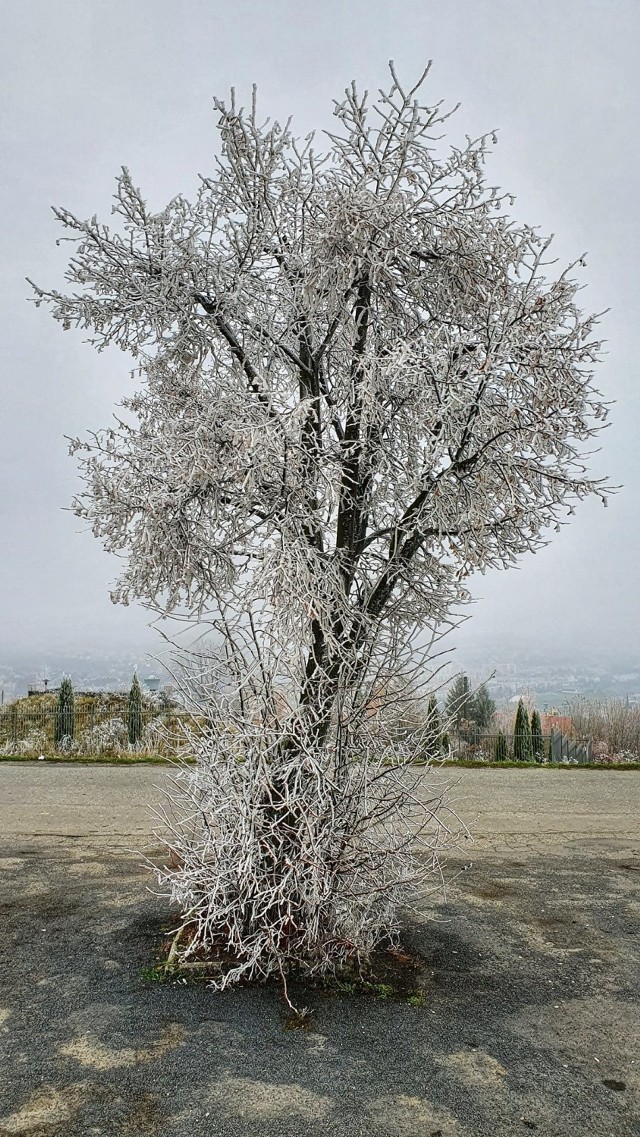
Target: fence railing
pixel 105 728
pixel 95 728
pixel 553 747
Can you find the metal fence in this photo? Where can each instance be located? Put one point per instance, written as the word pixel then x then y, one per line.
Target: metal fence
pixel 553 747
pixel 97 727
pixel 565 749
pixel 103 727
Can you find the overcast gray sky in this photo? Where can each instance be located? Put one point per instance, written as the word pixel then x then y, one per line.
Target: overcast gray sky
pixel 90 85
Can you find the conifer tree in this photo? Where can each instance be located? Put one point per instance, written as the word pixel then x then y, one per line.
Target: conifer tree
pixel 433 731
pixel 65 718
pixel 135 712
pixel 500 753
pixel 470 712
pixel 483 708
pixel 458 702
pixel 537 741
pixel 522 735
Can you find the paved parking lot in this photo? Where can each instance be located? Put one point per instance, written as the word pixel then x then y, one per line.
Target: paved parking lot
pixel 111 803
pixel 529 980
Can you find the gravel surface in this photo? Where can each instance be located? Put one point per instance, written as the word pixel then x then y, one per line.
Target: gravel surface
pixel 111 803
pixel 529 982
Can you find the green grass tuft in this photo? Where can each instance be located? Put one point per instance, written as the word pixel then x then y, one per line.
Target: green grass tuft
pixel 156 973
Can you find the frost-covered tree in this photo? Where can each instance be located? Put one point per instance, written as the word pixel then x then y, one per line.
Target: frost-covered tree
pixel 360 383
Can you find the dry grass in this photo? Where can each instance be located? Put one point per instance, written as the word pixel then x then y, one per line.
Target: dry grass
pixel 612 726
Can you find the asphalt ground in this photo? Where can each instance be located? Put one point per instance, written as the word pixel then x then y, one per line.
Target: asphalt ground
pixel 528 980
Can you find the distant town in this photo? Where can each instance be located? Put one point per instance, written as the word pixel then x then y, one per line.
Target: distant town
pixel 89 671
pixel 549 683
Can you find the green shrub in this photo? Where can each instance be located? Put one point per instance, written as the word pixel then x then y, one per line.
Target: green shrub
pixel 65 713
pixel 134 717
pixel 500 753
pixel 537 741
pixel 522 751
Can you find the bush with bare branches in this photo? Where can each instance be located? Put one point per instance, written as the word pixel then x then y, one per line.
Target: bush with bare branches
pixel 612 725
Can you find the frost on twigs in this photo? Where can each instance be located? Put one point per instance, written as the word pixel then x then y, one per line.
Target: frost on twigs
pixel 289 854
pixel 360 382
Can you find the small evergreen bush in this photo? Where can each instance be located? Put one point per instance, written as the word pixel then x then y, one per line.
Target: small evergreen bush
pixel 522 751
pixel 432 734
pixel 134 720
pixel 537 741
pixel 500 752
pixel 65 714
